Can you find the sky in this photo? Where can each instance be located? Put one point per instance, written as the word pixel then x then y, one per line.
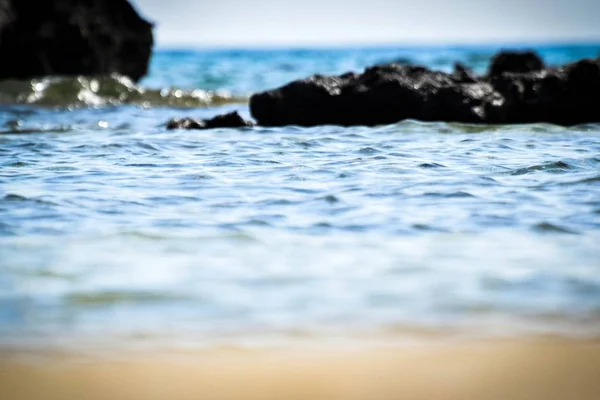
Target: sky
pixel 330 22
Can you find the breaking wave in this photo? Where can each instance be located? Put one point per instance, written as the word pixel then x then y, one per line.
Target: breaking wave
pixel 109 90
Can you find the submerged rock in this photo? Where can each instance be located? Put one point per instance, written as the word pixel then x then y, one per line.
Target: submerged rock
pixel 72 37
pixel 230 120
pixel 518 89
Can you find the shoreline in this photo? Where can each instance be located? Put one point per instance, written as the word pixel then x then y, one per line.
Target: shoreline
pixel 525 368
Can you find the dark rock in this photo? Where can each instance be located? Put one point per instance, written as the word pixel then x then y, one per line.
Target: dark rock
pixel 72 37
pixel 566 96
pixel 459 103
pixel 515 62
pixel 230 120
pixel 462 74
pixel 390 93
pixel 186 123
pixel 382 94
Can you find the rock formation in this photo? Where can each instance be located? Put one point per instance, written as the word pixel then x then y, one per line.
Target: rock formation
pixel 517 89
pixel 72 37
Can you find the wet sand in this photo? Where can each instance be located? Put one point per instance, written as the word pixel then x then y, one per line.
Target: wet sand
pixel 515 370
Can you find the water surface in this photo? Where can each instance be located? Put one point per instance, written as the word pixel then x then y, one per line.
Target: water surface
pixel 113 227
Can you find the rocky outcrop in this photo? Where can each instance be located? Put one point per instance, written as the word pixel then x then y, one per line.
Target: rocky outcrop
pixel 72 37
pixel 230 120
pixel 566 96
pixel 515 62
pixel 517 89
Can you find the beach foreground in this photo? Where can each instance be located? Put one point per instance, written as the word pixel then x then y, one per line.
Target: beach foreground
pixel 524 369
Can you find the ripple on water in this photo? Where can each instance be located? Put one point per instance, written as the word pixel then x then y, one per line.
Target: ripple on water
pixel 555 167
pixel 584 181
pixel 19 199
pixel 452 195
pixel 429 225
pixel 111 298
pixel 430 165
pixel 547 227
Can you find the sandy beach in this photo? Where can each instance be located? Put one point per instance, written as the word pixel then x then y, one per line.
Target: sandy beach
pixel 509 369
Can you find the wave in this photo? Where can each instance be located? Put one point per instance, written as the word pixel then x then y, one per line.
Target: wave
pixel 62 91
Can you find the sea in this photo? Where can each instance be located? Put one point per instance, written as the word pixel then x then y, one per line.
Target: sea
pixel 115 230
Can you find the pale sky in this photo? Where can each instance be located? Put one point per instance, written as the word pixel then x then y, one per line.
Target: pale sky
pixel 327 22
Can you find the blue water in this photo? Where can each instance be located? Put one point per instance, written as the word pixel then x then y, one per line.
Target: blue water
pixel 112 228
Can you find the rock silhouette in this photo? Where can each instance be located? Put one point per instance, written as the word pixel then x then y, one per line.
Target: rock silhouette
pixel 72 37
pixel 230 120
pixel 515 62
pixel 517 89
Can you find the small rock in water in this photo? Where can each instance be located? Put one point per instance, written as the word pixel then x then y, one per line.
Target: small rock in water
pixel 230 120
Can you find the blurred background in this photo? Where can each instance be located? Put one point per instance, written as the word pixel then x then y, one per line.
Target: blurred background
pixel 335 22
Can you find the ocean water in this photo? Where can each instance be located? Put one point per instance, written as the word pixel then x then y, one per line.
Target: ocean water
pixel 114 229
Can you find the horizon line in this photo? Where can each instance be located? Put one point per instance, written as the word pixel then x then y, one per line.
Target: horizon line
pixel 515 43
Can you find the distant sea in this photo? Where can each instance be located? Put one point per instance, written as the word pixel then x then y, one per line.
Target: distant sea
pixel 114 229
